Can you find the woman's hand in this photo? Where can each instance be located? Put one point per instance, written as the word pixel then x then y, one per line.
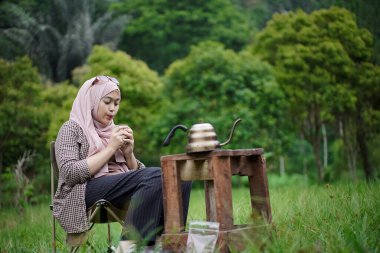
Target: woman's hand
pixel 118 138
pixel 121 138
pixel 128 145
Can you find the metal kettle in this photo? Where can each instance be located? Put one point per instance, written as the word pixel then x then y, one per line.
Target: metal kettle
pixel 201 137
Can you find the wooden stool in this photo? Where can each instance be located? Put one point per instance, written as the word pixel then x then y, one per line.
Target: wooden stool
pixel 215 168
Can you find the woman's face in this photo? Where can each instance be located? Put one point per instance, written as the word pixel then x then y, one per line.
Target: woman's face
pixel 108 107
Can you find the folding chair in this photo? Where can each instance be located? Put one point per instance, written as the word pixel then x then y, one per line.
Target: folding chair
pixel 101 212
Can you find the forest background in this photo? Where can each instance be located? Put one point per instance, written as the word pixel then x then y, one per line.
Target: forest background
pixel 303 76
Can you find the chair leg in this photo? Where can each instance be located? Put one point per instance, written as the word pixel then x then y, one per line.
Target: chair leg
pixel 109 234
pixel 54 243
pixel 111 248
pixel 99 206
pixel 112 213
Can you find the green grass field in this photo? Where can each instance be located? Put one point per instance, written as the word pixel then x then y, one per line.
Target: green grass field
pixel 342 217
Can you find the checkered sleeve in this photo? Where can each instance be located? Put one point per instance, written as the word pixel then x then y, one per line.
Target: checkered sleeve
pixel 140 165
pixel 72 169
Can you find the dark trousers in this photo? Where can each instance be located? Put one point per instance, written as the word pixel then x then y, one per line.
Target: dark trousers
pixel 142 189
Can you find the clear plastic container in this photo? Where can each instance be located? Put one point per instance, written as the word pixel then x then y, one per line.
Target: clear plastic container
pixel 202 236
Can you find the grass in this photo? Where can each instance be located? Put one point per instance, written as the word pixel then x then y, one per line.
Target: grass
pixel 342 217
pixel 330 218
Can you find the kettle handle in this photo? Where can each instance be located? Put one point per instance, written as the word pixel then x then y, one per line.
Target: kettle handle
pixel 231 133
pixel 171 134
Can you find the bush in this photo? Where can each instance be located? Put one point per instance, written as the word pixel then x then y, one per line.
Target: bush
pixel 23 126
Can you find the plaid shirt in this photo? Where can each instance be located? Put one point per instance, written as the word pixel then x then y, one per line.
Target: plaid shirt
pixel 69 206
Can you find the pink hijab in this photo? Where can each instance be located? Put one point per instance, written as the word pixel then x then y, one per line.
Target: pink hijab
pixel 84 111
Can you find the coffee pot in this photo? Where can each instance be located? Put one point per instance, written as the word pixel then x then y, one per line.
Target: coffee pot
pixel 201 137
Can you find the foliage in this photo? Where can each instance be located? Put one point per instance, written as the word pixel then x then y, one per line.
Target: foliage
pixel 141 90
pixel 23 127
pixel 257 12
pixel 316 58
pixel 160 32
pixel 261 11
pixel 375 153
pixel 23 119
pixel 17 188
pixel 51 33
pixel 60 37
pixel 59 100
pixel 216 85
pixel 366 85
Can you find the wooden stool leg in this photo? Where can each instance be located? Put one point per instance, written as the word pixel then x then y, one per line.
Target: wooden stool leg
pixel 223 191
pixel 210 200
pixel 172 197
pixel 258 186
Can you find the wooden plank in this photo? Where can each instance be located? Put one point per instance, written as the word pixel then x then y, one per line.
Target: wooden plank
pixel 258 185
pixel 195 170
pixel 172 197
pixel 217 152
pixel 223 191
pixel 242 165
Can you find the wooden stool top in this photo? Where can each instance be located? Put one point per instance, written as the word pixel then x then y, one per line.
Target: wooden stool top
pixel 209 154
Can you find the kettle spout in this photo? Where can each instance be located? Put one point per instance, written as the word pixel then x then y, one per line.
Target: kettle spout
pixel 171 134
pixel 231 133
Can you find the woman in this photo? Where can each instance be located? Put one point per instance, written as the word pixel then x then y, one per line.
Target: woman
pixel 96 161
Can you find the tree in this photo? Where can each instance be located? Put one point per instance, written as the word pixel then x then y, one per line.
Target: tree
pixel 260 11
pixel 217 85
pixel 60 37
pixel 160 32
pixel 315 58
pixel 141 90
pixel 24 120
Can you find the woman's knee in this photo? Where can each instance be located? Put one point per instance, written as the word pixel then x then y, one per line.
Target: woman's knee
pixel 152 178
pixel 153 172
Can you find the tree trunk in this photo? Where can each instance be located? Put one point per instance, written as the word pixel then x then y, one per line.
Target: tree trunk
pixel 318 162
pixel 349 147
pixel 303 155
pixel 313 126
pixel 1 162
pixel 363 150
pixel 282 166
pixel 325 148
pixel 351 161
